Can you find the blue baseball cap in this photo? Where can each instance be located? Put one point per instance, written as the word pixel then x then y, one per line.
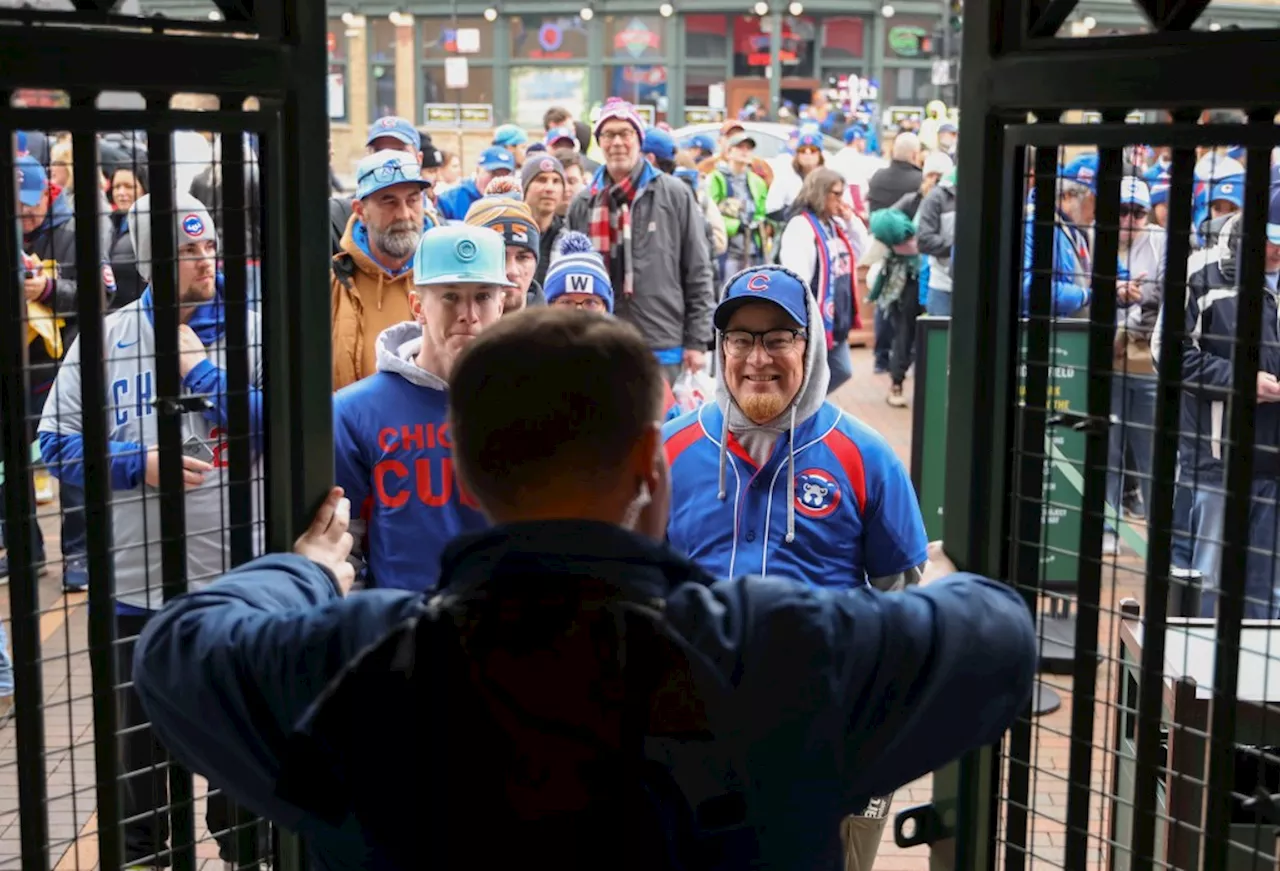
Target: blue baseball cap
pixel 1273 217
pixel 557 134
pixel 774 284
pixel 1134 192
pixel 32 180
pixel 397 128
pixel 461 254
pixel 854 131
pixel 509 136
pixel 1083 170
pixel 659 143
pixel 809 140
pixel 386 168
pixel 1229 189
pixel 495 158
pixel 700 141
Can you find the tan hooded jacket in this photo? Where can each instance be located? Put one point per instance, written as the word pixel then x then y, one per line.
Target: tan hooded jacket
pixel 366 299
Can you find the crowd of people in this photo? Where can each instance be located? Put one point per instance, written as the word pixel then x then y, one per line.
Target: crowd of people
pixel 492 461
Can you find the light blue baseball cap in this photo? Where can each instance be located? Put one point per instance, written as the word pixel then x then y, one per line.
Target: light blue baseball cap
pixel 461 254
pixel 397 128
pixel 510 135
pixel 382 169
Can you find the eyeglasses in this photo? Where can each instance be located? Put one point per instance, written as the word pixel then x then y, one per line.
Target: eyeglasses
pixel 608 136
pixel 591 303
pixel 386 173
pixel 777 343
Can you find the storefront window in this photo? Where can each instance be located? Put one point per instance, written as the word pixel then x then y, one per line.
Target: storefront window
pixel 639 85
pixel 535 89
pixel 479 87
pixel 382 67
pixel 706 37
pixel 634 37
pixel 842 38
pixel 910 36
pixel 701 88
pixel 751 43
pixel 548 37
pixel 906 86
pixel 337 43
pixel 440 37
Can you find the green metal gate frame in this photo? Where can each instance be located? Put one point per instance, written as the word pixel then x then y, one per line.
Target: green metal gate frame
pixel 278 55
pixel 1014 65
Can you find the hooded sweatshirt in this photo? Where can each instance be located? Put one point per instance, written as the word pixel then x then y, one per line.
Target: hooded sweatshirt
pixel 393 456
pixel 813 494
pixel 130 343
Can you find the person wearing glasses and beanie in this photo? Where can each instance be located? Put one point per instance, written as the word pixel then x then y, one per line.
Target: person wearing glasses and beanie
pixel 371 277
pixel 771 478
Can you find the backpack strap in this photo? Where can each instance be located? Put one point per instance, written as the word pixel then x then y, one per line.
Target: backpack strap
pixel 344 269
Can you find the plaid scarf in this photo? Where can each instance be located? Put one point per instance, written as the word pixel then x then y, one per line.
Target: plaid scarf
pixel 609 226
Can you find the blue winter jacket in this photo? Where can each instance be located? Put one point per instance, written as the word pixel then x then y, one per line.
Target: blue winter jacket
pixel 836 695
pixel 454 203
pixel 1071 270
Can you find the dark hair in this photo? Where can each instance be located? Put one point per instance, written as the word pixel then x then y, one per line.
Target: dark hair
pixel 139 171
pixel 582 130
pixel 568 157
pixel 555 117
pixel 666 167
pixel 549 399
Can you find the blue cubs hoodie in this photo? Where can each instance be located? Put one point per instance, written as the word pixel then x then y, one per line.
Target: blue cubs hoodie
pixel 393 456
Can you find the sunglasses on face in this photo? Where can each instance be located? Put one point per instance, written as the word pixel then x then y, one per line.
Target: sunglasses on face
pixel 1132 212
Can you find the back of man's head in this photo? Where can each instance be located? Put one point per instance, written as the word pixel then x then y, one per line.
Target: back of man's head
pixel 554 407
pixel 906 146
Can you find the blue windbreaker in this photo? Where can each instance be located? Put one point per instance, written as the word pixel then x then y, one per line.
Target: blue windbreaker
pixel 840 695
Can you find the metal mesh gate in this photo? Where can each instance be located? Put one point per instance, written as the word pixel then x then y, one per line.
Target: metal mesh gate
pixel 1153 739
pixel 214 353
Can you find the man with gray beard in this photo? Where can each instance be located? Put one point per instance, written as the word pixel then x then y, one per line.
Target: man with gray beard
pixel 372 275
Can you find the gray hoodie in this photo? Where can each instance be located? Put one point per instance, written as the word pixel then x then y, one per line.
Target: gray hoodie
pixel 759 438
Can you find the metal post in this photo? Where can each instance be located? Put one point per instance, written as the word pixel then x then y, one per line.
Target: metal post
pixel 775 60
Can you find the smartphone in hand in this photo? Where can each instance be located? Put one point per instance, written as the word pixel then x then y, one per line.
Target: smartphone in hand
pixel 197 448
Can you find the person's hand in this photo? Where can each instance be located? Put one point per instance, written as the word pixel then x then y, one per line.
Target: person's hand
pixel 1268 387
pixel 1128 292
pixel 328 540
pixel 939 565
pixel 906 248
pixel 33 287
pixel 191 351
pixel 193 470
pixel 693 359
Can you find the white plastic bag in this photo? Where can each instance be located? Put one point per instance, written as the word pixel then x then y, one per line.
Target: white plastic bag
pixel 693 389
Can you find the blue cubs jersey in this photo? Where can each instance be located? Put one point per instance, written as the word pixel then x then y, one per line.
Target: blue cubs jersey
pixel 856 513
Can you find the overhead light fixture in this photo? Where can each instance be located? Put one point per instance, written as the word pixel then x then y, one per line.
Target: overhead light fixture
pixel 666 10
pixel 401 19
pixel 353 19
pixel 587 13
pixel 762 9
pixel 796 9
pixel 491 14
pixel 1090 22
pixel 887 11
pixel 1215 26
pixel 215 15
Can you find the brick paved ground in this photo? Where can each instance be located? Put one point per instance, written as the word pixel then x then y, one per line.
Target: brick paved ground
pixel 68 717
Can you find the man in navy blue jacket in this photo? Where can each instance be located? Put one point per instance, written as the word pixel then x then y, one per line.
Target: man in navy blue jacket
pixel 575 693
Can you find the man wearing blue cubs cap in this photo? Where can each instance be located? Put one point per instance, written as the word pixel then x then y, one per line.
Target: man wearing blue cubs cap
pixel 393 133
pixel 823 498
pixel 390 133
pixel 495 162
pixel 391 433
pixel 370 287
pixel 1072 277
pixel 1214 296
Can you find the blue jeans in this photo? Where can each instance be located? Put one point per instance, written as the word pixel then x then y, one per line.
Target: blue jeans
pixel 884 339
pixel 939 303
pixel 1262 571
pixel 841 365
pixel 1133 413
pixel 6 664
